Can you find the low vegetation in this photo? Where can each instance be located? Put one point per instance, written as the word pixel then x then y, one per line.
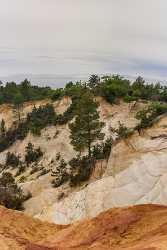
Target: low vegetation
pixel 148 115
pixel 61 174
pixel 122 131
pixel 11 196
pixel 81 169
pixel 32 154
pixel 12 160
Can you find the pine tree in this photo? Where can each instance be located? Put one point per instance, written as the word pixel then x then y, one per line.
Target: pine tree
pixel 86 128
pixel 94 81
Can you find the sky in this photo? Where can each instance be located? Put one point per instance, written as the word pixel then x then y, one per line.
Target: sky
pixel 55 41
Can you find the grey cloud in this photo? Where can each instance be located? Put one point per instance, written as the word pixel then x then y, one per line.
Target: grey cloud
pixel 74 38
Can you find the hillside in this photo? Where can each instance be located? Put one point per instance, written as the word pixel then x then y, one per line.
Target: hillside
pixel 64 183
pixel 135 174
pixel 132 228
pixel 43 194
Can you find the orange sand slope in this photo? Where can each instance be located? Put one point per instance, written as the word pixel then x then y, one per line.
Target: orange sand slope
pixel 141 227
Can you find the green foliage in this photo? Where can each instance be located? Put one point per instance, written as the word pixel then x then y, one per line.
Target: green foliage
pixel 36 120
pixel 102 151
pixel 32 154
pixel 148 115
pixel 86 128
pixel 114 87
pixel 94 82
pixel 81 169
pixel 66 116
pixel 41 117
pixel 128 98
pixel 57 94
pixel 12 160
pixel 12 135
pixel 122 131
pixel 74 90
pixel 61 174
pixel 12 92
pixel 11 196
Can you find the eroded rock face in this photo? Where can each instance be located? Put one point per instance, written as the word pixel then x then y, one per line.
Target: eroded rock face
pixel 114 184
pixel 136 173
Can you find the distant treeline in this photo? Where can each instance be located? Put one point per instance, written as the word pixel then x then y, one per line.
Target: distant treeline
pixel 23 91
pixel 110 87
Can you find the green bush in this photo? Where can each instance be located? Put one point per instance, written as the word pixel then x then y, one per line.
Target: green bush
pixel 40 118
pixel 28 92
pixel 102 151
pixel 122 131
pixel 12 135
pixel 12 160
pixel 81 169
pixel 57 94
pixel 128 98
pixel 148 115
pixel 11 196
pixel 61 174
pixel 32 154
pixel 115 87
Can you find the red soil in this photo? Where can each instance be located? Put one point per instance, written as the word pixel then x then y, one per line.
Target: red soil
pixel 134 228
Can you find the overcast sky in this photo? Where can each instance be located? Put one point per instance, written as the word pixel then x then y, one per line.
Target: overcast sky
pixel 54 41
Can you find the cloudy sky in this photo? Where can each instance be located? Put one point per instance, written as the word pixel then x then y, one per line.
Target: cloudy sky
pixel 54 41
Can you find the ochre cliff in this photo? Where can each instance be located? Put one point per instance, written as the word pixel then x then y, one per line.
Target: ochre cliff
pixel 141 227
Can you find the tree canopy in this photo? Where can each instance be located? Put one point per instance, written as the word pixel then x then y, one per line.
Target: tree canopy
pixel 86 127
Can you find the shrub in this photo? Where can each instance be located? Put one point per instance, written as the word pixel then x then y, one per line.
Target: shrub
pixel 32 154
pixel 122 132
pixel 12 160
pixel 128 98
pixel 11 196
pixel 12 135
pixel 40 118
pixel 57 94
pixel 102 151
pixel 81 169
pixel 61 174
pixel 147 116
pixel 115 87
pixel 36 120
pixel 66 116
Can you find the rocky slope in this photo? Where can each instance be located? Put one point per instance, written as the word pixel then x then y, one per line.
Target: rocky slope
pixel 45 201
pixel 133 228
pixel 136 173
